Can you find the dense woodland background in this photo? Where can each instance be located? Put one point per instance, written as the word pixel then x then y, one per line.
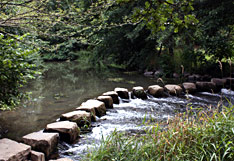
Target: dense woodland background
pixel 142 35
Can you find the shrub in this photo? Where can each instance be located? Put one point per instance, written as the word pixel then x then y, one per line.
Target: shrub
pixel 17 66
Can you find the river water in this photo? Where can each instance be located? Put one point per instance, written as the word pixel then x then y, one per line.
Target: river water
pixel 64 87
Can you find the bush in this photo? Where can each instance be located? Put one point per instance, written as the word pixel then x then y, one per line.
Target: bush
pixel 17 66
pixel 208 136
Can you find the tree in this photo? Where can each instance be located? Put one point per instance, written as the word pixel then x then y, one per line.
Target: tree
pixel 17 66
pixel 215 28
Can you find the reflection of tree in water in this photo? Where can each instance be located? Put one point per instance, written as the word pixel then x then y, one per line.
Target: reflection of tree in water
pixel 61 89
pixel 67 79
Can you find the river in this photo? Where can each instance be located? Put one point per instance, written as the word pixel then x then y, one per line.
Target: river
pixel 64 86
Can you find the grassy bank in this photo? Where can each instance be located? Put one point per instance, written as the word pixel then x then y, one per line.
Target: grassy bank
pixel 207 136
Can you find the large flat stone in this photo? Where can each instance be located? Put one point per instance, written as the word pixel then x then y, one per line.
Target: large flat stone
pixel 107 100
pixel 80 117
pixel 89 109
pixel 220 83
pixel 189 87
pixel 62 159
pixel 68 131
pixel 100 109
pixel 206 86
pixel 122 92
pixel 194 78
pixel 13 151
pixel 156 90
pixel 37 156
pixel 42 142
pixel 139 92
pixel 173 89
pixel 114 96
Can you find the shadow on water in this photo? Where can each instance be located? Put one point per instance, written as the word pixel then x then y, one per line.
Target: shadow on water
pixel 62 87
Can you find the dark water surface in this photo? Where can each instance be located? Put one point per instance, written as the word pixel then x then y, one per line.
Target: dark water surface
pixel 64 87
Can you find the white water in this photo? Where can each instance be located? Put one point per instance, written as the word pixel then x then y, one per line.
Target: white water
pixel 128 117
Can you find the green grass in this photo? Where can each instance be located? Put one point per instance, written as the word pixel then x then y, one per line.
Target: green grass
pixel 207 135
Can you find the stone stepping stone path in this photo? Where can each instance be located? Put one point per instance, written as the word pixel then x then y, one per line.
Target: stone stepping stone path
pixel 89 109
pixel 189 87
pixel 114 96
pixel 37 156
pixel 80 117
pixel 173 89
pixel 156 91
pixel 13 151
pixel 42 142
pixel 139 92
pixel 107 100
pixel 39 146
pixel 100 109
pixel 62 159
pixel 206 87
pixel 122 93
pixel 68 131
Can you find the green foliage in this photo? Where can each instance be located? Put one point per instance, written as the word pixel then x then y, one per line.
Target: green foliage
pixel 214 32
pixel 158 15
pixel 138 34
pixel 17 66
pixel 85 60
pixel 208 136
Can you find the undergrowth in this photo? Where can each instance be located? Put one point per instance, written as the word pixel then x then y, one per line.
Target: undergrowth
pixel 204 135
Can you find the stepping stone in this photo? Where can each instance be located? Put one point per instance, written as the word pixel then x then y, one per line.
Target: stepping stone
pixel 100 109
pixel 89 109
pixel 194 78
pixel 122 92
pixel 156 90
pixel 173 89
pixel 68 131
pixel 37 156
pixel 220 83
pixel 189 87
pixel 62 159
pixel 107 100
pixel 13 151
pixel 80 117
pixel 42 142
pixel 114 96
pixel 206 86
pixel 139 92
pixel 149 74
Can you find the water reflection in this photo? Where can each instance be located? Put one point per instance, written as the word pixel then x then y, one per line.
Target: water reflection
pixel 62 88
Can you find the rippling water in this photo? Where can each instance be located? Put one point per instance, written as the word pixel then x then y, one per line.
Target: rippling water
pixel 129 115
